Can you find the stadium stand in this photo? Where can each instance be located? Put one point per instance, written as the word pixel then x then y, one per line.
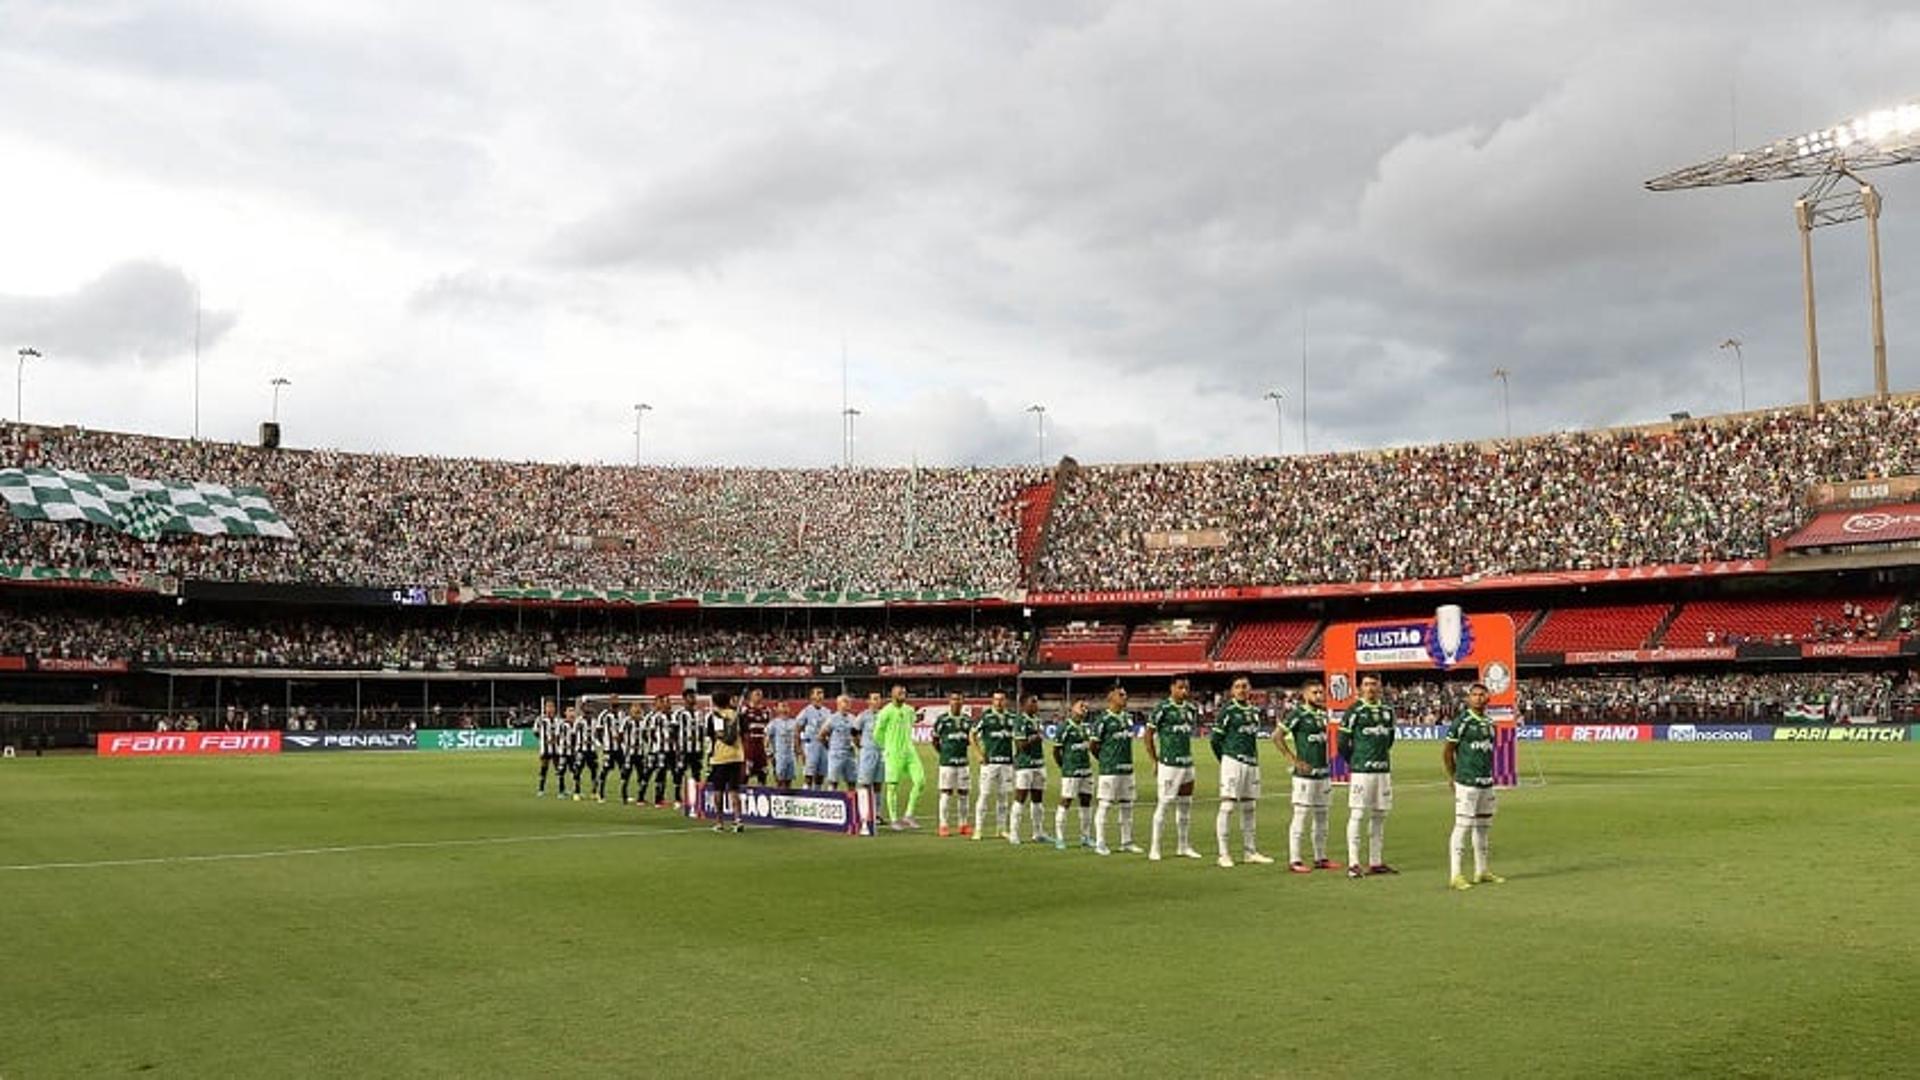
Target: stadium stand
pixel 1081 640
pixel 1267 639
pixel 1172 639
pixel 1783 622
pixel 1627 626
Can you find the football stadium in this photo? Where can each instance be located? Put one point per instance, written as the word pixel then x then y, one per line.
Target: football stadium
pixel 424 739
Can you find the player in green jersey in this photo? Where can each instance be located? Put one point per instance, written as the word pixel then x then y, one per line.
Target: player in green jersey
pixel 1170 744
pixel 893 730
pixel 1366 741
pixel 952 736
pixel 1236 742
pixel 1076 775
pixel 1469 760
pixel 1302 736
pixel 1029 772
pixel 1112 742
pixel 992 737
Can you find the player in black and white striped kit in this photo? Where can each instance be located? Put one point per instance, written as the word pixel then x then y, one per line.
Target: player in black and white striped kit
pixel 600 752
pixel 626 741
pixel 688 743
pixel 579 747
pixel 653 740
pixel 546 732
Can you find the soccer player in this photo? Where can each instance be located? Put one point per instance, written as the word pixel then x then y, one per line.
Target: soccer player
pixel 753 728
pixel 1076 775
pixel 1111 739
pixel 627 729
pixel 1469 761
pixel 783 741
pixel 600 762
pixel 992 736
pixel 1170 746
pixel 1029 771
pixel 1302 736
pixel 872 769
pixel 837 736
pixel 952 733
pixel 893 730
pixel 813 719
pixel 580 741
pixel 1366 741
pixel 1236 742
pixel 546 733
pixel 651 735
pixel 729 760
pixel 691 730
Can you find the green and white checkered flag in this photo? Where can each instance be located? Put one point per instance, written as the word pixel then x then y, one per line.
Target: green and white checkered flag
pixel 64 495
pixel 143 517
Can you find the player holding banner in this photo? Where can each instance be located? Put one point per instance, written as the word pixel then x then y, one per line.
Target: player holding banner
pixel 1469 760
pixel 1366 741
pixel 1170 745
pixel 1302 736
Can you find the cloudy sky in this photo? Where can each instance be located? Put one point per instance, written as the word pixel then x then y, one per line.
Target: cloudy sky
pixel 491 229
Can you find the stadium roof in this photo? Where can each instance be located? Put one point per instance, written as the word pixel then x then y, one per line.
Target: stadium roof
pixel 1874 140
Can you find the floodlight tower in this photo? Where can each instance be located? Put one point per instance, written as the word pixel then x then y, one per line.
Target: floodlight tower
pixel 1833 158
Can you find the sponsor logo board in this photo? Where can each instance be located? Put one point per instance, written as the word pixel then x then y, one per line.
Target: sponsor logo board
pixel 477 739
pixel 822 811
pixel 181 743
pixel 1712 733
pixel 1843 733
pixel 302 741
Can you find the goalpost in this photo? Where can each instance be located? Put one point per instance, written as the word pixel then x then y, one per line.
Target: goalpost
pixel 1450 641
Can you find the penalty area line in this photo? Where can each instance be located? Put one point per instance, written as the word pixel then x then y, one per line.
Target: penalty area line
pixel 347 849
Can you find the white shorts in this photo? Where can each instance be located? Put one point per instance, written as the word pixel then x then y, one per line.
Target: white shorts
pixel 1072 787
pixel 1471 802
pixel 995 779
pixel 1116 787
pixel 1317 794
pixel 1239 780
pixel 1030 779
pixel 1169 779
pixel 955 778
pixel 1370 791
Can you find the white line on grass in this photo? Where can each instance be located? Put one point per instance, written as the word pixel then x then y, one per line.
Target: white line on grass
pixel 347 849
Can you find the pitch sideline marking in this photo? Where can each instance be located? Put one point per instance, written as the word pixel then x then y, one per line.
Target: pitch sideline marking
pixel 346 849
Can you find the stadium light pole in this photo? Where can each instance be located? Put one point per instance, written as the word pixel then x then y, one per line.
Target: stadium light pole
pixel 1740 361
pixel 846 436
pixel 1506 408
pixel 25 353
pixel 1279 422
pixel 640 410
pixel 278 383
pixel 1832 158
pixel 1040 430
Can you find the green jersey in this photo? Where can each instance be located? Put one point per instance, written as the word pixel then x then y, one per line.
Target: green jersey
pixel 893 729
pixel 1072 744
pixel 1472 739
pixel 950 731
pixel 994 729
pixel 1114 732
pixel 1236 733
pixel 1026 742
pixel 1172 724
pixel 1366 737
pixel 1309 730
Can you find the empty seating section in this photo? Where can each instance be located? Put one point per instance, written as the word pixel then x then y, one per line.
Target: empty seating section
pixel 1732 622
pixel 1267 639
pixel 1081 640
pixel 1575 629
pixel 1173 639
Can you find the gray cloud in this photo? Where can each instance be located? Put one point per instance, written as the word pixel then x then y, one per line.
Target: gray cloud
pixel 141 311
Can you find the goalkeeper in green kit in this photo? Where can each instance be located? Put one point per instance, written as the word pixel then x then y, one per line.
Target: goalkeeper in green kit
pixel 893 730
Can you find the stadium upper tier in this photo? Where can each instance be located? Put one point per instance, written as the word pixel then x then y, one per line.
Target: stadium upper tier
pixel 1705 490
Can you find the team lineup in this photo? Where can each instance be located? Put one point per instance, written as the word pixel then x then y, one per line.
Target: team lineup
pixel 664 742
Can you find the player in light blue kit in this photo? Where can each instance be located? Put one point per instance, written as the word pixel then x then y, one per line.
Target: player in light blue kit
pixel 813 721
pixel 837 734
pixel 871 773
pixel 783 739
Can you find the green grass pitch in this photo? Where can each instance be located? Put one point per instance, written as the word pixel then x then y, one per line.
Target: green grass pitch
pixel 1671 910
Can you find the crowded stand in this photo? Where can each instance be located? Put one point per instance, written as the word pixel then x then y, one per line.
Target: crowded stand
pixel 1704 491
pixel 383 520
pixel 373 643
